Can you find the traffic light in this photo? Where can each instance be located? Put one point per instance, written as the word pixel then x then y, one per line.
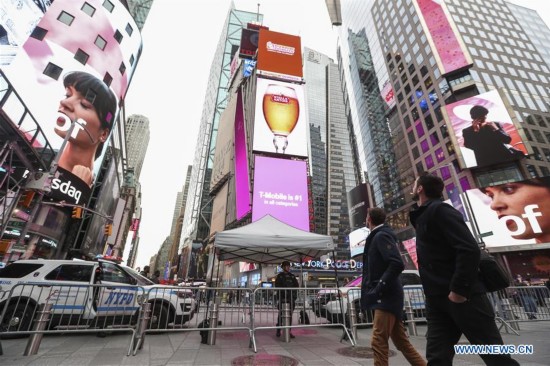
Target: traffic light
pixel 77 213
pixel 108 229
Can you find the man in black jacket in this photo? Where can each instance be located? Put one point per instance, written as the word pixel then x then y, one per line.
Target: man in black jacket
pixel 286 279
pixel 448 261
pixel 381 290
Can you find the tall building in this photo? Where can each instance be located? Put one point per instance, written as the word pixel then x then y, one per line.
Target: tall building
pixel 137 141
pixel 331 157
pixel 198 209
pixel 140 10
pixel 406 86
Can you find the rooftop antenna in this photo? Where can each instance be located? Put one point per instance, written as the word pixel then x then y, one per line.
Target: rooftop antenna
pixel 258 13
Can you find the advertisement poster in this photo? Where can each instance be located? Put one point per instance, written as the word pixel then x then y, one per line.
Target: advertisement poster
pixel 280 55
pixel 358 204
pixel 484 131
pixel 242 180
pixel 280 190
pixel 280 124
pixel 513 213
pixel 357 240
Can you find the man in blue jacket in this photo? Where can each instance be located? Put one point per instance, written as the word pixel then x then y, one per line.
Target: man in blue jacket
pixel 448 262
pixel 381 290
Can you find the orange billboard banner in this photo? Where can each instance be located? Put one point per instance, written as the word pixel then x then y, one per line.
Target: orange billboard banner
pixel 280 55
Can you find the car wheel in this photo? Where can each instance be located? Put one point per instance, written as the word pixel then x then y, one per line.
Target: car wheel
pixel 159 316
pixel 18 318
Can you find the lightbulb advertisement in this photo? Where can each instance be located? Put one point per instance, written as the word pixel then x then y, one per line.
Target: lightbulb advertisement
pixel 513 213
pixel 70 74
pixel 280 124
pixel 280 190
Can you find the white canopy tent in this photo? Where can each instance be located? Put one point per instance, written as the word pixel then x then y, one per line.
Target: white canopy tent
pixel 270 241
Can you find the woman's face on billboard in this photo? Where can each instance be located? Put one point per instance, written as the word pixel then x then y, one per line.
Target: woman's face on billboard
pixel 528 204
pixel 77 107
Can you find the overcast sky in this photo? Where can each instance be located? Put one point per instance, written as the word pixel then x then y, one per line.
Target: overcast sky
pixel 169 85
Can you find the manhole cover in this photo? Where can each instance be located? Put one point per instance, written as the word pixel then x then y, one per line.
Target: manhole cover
pixel 264 359
pixel 359 352
pixel 239 335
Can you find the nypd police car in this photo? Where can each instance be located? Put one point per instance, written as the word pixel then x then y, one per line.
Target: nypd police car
pixel 86 294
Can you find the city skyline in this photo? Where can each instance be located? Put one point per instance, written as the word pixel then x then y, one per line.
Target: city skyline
pixel 190 63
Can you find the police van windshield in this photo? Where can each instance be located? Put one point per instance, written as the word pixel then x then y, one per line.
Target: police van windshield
pixel 141 280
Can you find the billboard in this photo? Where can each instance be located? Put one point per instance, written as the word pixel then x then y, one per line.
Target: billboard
pixel 358 204
pixel 280 124
pixel 242 180
pixel 280 190
pixel 447 48
pixel 249 43
pixel 513 213
pixel 69 81
pixel 280 55
pixel 483 131
pixel 357 239
pixel 219 210
pixel 223 154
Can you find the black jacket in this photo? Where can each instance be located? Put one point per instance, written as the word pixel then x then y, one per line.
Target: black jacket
pixel 447 253
pixel 286 279
pixel 382 265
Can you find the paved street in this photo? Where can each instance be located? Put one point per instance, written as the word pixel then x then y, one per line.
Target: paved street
pixel 312 346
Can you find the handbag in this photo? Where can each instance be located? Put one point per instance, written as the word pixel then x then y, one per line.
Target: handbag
pixel 491 273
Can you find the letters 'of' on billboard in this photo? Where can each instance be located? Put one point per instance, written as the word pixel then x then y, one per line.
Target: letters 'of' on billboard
pixel 280 124
pixel 280 55
pixel 76 56
pixel 280 190
pixel 483 131
pixel 513 213
pixel 448 50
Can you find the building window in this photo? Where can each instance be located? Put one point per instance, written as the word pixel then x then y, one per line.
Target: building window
pixel 108 79
pixel 81 56
pixel 108 5
pixel 39 33
pixel 122 68
pixel 129 29
pixel 429 162
pixel 118 36
pixel 439 155
pixel 88 9
pixel 424 146
pixel 132 59
pixel 65 18
pixel 100 42
pixel 53 71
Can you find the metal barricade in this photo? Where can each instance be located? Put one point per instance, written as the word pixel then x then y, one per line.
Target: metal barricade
pixel 523 303
pixel 73 308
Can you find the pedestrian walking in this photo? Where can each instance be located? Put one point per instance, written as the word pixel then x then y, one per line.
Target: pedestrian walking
pixel 448 261
pixel 382 291
pixel 286 279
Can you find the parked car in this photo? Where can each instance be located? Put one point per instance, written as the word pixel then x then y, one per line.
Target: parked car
pixel 66 285
pixel 335 310
pixel 330 294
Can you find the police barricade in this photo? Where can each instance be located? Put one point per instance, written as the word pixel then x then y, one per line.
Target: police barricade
pixel 517 304
pixel 206 310
pixel 42 308
pixel 312 307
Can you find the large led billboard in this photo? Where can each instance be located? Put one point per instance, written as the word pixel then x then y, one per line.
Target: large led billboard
pixel 71 73
pixel 280 190
pixel 357 239
pixel 279 55
pixel 513 213
pixel 358 204
pixel 280 124
pixel 242 179
pixel 448 49
pixel 483 131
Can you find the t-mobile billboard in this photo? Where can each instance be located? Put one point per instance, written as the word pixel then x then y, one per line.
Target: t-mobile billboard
pixel 483 131
pixel 280 190
pixel 448 49
pixel 71 73
pixel 280 124
pixel 513 213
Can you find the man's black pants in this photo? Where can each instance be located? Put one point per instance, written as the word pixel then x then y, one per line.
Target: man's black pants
pixel 447 321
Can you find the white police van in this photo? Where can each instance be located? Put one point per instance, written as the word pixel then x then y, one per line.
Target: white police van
pixel 86 294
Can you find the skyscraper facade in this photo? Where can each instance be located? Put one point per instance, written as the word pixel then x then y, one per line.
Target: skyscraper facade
pixel 198 209
pixel 399 93
pixel 331 157
pixel 137 141
pixel 140 10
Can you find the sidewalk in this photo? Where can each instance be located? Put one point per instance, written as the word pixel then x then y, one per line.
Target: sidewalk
pixel 312 346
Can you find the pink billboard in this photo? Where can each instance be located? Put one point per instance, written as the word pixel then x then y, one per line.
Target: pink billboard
pixel 448 49
pixel 513 213
pixel 242 184
pixel 484 131
pixel 280 190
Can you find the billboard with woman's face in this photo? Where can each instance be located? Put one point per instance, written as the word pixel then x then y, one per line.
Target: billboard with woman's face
pixel 71 74
pixel 513 213
pixel 483 131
